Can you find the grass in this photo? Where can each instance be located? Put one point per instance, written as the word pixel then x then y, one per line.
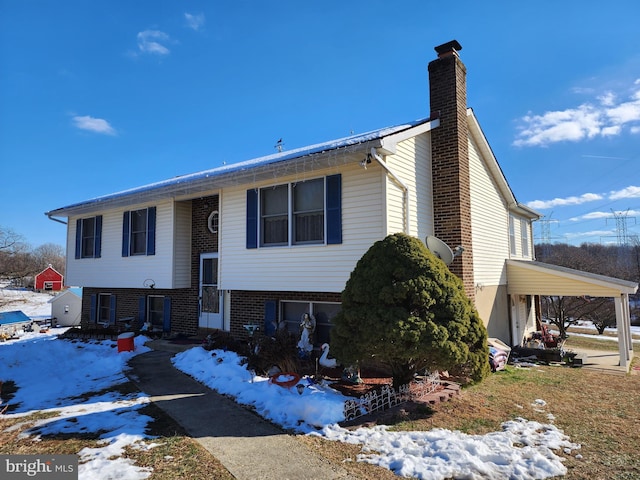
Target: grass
pixel 176 456
pixel 597 410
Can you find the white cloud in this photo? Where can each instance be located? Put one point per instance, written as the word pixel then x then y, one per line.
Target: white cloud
pixel 628 192
pixel 195 22
pixel 607 99
pixel 591 216
pixel 96 125
pixel 563 202
pixel 151 41
pixel 606 116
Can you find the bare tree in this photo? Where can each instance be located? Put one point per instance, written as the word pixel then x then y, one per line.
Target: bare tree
pixel 563 312
pixel 18 261
pixel 604 316
pixel 50 254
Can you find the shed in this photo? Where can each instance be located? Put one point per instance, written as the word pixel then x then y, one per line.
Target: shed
pixel 48 280
pixel 66 307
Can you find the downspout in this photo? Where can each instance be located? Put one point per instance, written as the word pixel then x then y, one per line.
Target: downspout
pixel 48 214
pixel 400 183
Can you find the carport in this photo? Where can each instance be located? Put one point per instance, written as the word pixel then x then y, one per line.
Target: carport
pixel 536 278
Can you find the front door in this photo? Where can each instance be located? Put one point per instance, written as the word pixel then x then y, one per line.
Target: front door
pixel 210 296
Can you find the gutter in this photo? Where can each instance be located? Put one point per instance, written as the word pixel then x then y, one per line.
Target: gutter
pixel 400 183
pixel 50 216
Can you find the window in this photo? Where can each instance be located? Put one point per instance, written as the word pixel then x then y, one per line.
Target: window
pixel 212 222
pixel 512 235
pixel 308 212
pixel 155 312
pixel 48 285
pixel 524 235
pixel 103 308
pixel 274 215
pixel 88 237
pixel 292 312
pixel 139 232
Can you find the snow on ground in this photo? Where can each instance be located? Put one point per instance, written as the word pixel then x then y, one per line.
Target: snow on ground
pixel 51 375
pixel 34 305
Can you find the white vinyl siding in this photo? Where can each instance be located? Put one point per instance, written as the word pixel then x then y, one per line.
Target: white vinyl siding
pixel 113 270
pixel 489 223
pixel 319 268
pixel 412 164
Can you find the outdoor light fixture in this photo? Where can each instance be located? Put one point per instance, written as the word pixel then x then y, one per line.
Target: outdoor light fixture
pixel 366 161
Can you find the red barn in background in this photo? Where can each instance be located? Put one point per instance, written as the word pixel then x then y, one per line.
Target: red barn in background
pixel 49 279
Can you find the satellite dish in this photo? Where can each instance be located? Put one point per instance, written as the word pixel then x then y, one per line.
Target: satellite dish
pixel 439 249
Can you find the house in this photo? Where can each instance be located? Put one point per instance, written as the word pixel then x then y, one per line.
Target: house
pixel 66 307
pixel 48 280
pixel 262 242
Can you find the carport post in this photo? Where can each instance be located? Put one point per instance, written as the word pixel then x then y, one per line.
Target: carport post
pixel 624 330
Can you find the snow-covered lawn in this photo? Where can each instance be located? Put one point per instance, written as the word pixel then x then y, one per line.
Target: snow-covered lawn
pixel 50 372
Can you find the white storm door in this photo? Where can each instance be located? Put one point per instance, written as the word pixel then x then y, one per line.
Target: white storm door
pixel 210 296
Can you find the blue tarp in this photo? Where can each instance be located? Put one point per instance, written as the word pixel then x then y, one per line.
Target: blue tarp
pixel 16 316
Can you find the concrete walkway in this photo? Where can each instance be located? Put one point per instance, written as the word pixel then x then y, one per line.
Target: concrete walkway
pixel 247 445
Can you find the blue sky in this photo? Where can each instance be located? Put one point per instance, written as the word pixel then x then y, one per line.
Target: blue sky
pixel 98 97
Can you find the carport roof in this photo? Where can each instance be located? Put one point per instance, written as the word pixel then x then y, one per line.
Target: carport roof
pixel 537 278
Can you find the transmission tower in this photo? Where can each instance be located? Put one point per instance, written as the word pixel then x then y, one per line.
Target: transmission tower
pixel 621 219
pixel 545 234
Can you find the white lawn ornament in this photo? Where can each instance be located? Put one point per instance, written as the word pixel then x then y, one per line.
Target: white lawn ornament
pixel 324 361
pixel 308 326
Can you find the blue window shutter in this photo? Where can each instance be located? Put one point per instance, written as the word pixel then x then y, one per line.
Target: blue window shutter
pixel 270 321
pixel 166 315
pixel 252 218
pixel 78 238
pixel 334 209
pixel 112 310
pixel 98 239
pixel 93 310
pixel 125 235
pixel 142 311
pixel 151 231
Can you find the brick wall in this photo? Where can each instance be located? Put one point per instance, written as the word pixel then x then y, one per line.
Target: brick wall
pixel 128 301
pixel 450 162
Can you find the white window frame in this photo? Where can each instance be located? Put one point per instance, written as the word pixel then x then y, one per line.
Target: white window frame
pixel 310 309
pixel 524 238
pixel 103 306
pixel 512 234
pixel 213 221
pixel 291 215
pixel 87 239
pixel 132 233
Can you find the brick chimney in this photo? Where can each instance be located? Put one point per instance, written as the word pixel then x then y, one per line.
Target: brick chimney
pixel 450 158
